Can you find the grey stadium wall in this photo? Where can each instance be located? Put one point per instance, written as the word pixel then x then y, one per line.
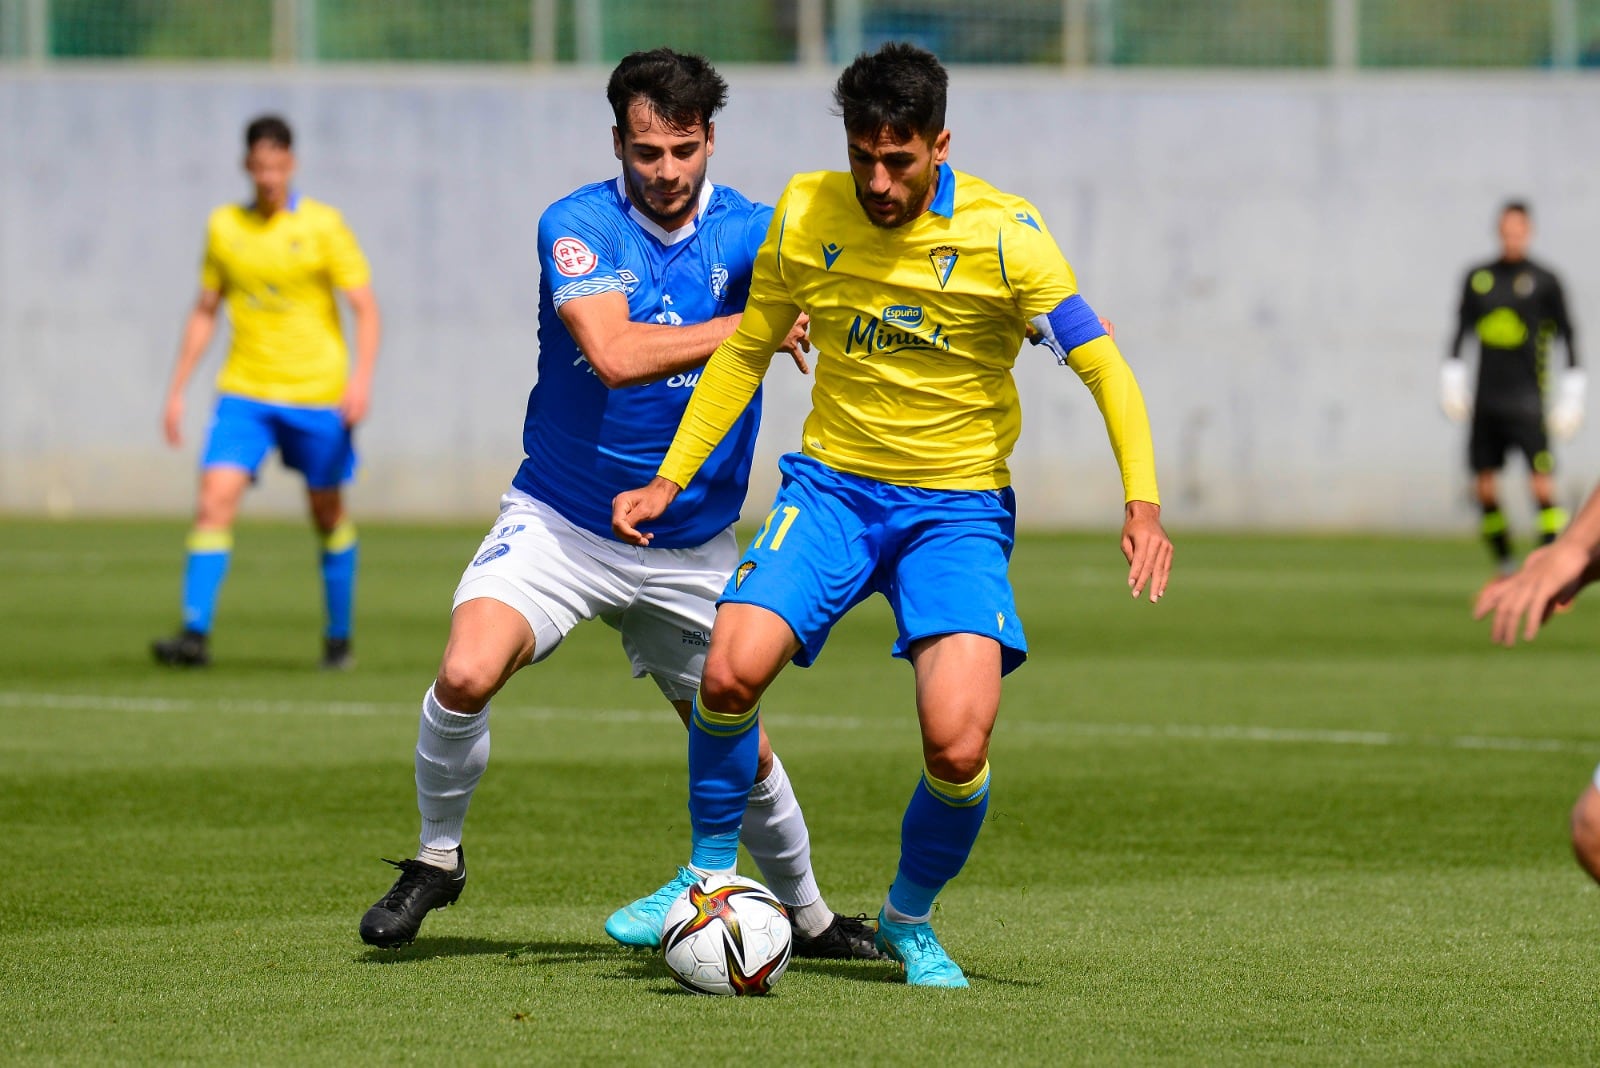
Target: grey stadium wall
pixel 1281 255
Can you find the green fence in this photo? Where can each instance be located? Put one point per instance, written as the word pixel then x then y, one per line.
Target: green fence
pixel 1158 33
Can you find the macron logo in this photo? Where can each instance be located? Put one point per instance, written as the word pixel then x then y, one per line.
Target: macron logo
pixel 830 252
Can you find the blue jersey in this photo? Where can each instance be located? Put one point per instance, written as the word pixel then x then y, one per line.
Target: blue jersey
pixel 586 443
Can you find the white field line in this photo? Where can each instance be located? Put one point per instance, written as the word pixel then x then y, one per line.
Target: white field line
pixel 785 721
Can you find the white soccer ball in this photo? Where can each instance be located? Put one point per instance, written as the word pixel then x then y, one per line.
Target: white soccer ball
pixel 726 935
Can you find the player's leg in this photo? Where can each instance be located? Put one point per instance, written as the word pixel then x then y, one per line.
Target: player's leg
pixel 315 442
pixel 1486 449
pixel 339 551
pixel 662 632
pixel 236 444
pixel 959 627
pixel 811 561
pixel 958 698
pixel 489 641
pixel 1586 828
pixel 749 647
pixel 516 601
pixel 1535 445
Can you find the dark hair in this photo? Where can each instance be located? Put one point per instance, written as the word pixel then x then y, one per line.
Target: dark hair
pixel 683 90
pixel 1518 206
pixel 899 88
pixel 268 128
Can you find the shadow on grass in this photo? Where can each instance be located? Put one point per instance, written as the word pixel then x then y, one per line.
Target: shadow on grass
pixel 520 952
pixel 868 971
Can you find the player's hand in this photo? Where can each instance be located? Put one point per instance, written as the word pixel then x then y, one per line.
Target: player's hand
pixel 1548 579
pixel 798 343
pixel 632 508
pixel 172 419
pixel 1454 395
pixel 1148 549
pixel 353 407
pixel 1110 328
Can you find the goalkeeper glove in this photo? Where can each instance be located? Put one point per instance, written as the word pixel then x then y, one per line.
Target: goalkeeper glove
pixel 1566 416
pixel 1454 396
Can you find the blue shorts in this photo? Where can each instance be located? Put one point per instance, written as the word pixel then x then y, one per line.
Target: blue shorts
pixel 832 540
pixel 313 441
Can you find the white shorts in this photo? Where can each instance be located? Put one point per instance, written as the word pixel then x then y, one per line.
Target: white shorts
pixel 557 575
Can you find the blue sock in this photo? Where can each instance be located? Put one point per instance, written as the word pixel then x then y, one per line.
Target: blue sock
pixel 203 572
pixel 339 550
pixel 936 837
pixel 723 751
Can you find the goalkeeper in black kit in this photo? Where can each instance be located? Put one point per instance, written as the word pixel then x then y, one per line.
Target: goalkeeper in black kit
pixel 1516 308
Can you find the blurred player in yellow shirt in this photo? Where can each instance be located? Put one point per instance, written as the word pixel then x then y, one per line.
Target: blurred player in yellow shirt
pixel 286 384
pixel 919 281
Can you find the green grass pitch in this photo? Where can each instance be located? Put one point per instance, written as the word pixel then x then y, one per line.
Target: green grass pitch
pixel 1301 812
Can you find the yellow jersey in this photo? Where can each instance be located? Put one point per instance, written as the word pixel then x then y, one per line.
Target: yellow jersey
pixel 916 329
pixel 279 276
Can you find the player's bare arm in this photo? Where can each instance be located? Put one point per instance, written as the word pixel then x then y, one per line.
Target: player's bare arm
pixel 198 330
pixel 625 353
pixel 1148 549
pixel 1550 577
pixel 632 508
pixel 369 328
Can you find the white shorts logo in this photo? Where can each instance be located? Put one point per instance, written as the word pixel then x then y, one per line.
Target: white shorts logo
pixel 572 257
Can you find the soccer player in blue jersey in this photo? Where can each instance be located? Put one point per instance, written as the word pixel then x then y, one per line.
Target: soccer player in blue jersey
pixel 642 276
pixel 279 262
pixel 918 280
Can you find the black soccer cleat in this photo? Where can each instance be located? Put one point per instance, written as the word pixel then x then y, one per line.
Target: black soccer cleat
pixel 421 888
pixel 187 648
pixel 337 654
pixel 846 938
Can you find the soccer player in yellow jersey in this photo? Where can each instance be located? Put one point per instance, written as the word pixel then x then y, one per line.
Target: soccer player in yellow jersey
pixel 918 280
pixel 286 384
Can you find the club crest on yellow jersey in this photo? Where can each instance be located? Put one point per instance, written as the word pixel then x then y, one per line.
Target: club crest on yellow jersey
pixel 943 259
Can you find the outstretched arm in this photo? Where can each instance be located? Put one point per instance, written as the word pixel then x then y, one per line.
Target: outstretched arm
pixel 1549 577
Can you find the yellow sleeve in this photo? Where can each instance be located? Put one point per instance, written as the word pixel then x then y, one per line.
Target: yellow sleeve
pixel 1039 275
pixel 347 264
pixel 1116 391
pixel 211 276
pixel 731 378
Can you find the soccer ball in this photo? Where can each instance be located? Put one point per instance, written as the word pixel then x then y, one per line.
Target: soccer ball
pixel 726 935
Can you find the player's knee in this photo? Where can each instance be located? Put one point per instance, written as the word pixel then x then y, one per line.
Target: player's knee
pixel 466 683
pixel 958 761
pixel 726 690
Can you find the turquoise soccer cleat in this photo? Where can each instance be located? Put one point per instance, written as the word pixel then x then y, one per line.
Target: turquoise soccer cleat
pixel 916 947
pixel 640 923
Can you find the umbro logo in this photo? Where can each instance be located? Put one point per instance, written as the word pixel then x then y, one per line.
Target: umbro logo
pixel 830 252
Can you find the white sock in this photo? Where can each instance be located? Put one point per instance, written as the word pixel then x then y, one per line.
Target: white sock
pixel 774 831
pixel 452 751
pixel 897 916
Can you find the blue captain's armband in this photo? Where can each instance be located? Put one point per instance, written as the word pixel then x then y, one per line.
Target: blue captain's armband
pixel 1073 323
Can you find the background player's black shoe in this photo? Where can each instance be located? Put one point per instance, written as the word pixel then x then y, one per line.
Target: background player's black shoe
pixel 187 648
pixel 845 938
pixel 337 654
pixel 421 888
